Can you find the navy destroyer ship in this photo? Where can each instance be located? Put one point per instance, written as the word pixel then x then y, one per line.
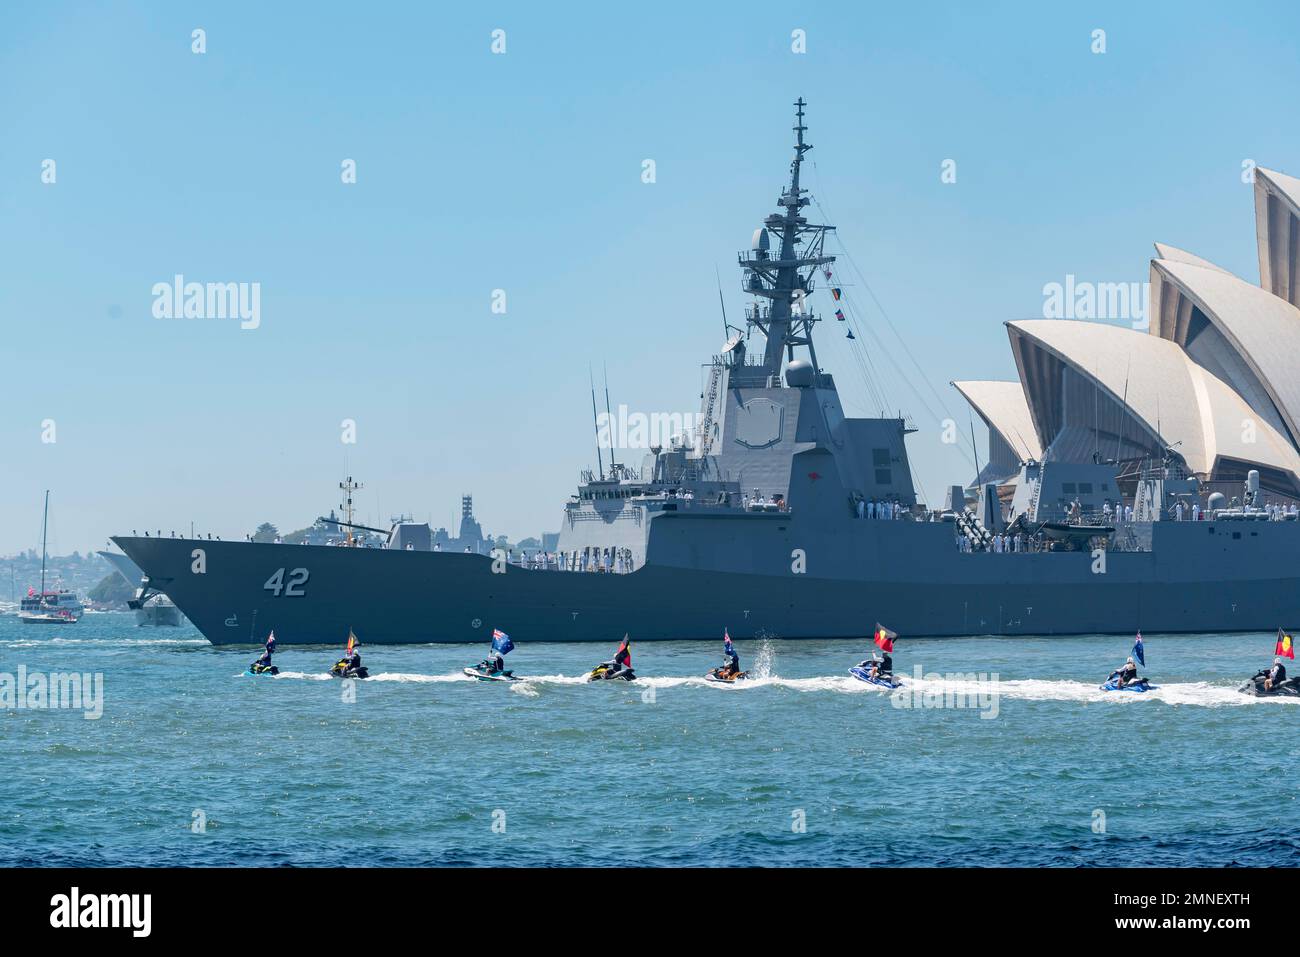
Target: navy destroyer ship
pixel 778 516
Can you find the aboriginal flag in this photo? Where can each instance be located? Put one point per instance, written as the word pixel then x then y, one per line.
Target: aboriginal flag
pixel 1285 647
pixel 884 638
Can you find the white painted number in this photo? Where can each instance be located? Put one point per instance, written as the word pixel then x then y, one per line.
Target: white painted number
pixel 291 589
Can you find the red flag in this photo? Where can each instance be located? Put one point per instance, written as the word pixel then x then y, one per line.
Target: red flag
pixel 885 638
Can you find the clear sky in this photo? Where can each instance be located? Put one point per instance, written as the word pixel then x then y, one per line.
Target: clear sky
pixel 523 172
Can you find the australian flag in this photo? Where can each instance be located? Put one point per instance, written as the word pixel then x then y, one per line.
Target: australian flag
pixel 1137 651
pixel 726 643
pixel 501 642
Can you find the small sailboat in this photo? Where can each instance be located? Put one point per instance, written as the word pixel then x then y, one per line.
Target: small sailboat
pixel 58 607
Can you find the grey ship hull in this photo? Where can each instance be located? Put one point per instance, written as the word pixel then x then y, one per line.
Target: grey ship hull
pixel 1196 578
pixel 159 615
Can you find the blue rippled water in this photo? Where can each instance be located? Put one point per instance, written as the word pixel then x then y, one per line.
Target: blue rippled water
pixel 802 766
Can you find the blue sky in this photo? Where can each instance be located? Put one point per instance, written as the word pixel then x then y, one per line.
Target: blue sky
pixel 522 172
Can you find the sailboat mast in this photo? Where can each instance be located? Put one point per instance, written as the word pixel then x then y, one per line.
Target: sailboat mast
pixel 45 527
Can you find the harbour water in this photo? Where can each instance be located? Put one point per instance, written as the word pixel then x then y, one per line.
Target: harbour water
pixel 192 763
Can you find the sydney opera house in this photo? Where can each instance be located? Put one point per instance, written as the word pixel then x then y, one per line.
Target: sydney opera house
pixel 1213 382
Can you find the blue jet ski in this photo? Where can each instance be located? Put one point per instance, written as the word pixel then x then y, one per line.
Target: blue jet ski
pixel 482 674
pixel 862 674
pixel 1138 686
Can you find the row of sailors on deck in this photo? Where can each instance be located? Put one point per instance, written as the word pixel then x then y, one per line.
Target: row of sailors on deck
pixel 1276 512
pixel 1120 513
pixel 888 511
pixel 592 559
pixel 999 544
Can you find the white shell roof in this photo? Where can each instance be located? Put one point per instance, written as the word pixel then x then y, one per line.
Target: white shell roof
pixel 1172 395
pixel 1262 329
pixel 1005 410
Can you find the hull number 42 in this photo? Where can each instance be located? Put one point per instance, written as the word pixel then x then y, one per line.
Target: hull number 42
pixel 292 587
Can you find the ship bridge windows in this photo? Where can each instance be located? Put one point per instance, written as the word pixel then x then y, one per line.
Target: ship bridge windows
pixel 880 459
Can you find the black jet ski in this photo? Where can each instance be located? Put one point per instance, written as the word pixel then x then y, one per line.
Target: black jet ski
pixel 603 672
pixel 341 670
pixel 257 669
pixel 1255 687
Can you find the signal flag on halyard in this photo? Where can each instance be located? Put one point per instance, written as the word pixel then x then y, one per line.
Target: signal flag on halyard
pixel 839 314
pixel 836 293
pixel 1137 651
pixel 884 638
pixel 1285 647
pixel 501 642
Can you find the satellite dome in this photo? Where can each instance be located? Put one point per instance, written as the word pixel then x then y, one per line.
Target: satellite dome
pixel 1216 501
pixel 799 374
pixel 762 242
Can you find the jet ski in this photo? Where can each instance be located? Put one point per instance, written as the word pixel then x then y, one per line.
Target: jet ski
pixel 1137 685
pixel 256 671
pixel 482 674
pixel 603 672
pixel 1255 687
pixel 862 674
pixel 717 678
pixel 341 670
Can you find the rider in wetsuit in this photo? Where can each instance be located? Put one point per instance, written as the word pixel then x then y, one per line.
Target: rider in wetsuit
pixel 1275 675
pixel 1127 674
pixel 882 667
pixel 730 665
pixel 264 662
pixel 622 660
pixel 350 661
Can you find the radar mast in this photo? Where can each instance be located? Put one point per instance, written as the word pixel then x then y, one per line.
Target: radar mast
pixel 786 320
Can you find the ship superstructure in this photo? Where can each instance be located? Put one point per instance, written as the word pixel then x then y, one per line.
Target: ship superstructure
pixel 780 516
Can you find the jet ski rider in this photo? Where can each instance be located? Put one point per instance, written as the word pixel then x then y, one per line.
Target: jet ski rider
pixel 880 667
pixel 730 665
pixel 1127 674
pixel 264 662
pixel 493 664
pixel 622 660
pixel 350 661
pixel 1275 675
